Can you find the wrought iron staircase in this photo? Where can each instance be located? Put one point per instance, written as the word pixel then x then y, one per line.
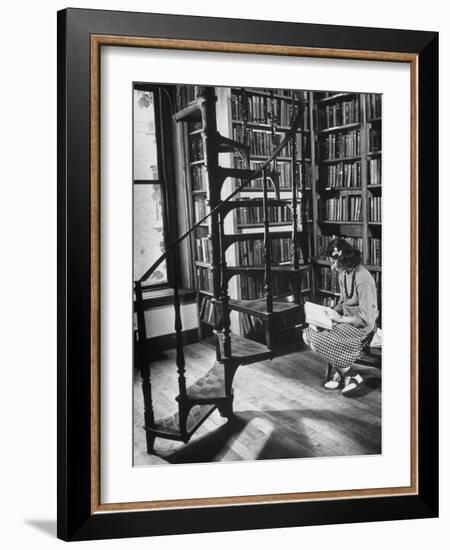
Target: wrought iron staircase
pixel 215 388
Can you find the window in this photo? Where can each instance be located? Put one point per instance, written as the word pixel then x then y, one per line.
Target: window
pixel 149 188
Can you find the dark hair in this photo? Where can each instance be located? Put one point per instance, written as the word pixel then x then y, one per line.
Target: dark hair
pixel 347 256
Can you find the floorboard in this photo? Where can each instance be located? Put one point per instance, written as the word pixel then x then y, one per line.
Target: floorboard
pixel 281 411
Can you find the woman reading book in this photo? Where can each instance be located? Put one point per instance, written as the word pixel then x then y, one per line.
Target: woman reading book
pixel 353 318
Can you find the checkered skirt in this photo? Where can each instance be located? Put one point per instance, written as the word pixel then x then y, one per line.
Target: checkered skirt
pixel 341 346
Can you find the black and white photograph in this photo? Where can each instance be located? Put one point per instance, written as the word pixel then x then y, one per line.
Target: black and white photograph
pixel 257 269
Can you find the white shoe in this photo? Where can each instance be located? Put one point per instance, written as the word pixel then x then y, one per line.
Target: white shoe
pixel 351 384
pixel 335 382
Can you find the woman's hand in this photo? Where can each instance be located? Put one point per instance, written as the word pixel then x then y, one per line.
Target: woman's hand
pixel 334 316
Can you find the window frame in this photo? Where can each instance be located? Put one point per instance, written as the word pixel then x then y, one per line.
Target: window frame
pixel 166 179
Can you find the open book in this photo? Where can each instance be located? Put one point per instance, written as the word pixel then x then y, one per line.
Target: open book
pixel 317 315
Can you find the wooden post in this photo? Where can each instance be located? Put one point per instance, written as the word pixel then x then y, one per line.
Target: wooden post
pixel 294 243
pixel 267 251
pixel 149 418
pixel 144 368
pixel 211 156
pixel 224 298
pixel 180 360
pixel 142 334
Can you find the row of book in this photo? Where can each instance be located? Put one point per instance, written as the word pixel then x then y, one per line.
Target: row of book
pixel 253 326
pixel 262 143
pixel 341 175
pixel 342 208
pixel 284 114
pixel 373 106
pixel 265 110
pixel 252 288
pixel 208 312
pixel 341 145
pixel 284 169
pixel 255 109
pixel 203 249
pixel 339 114
pixel 205 279
pixel 374 171
pixel 255 214
pixel 252 252
pixel 199 178
pixel 375 251
pixel 200 209
pixel 328 280
pixel 196 148
pixel 375 209
pixel 374 138
pixel 308 208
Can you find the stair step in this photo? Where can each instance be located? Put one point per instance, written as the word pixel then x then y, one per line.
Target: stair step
pixel 243 350
pixel 228 145
pixel 192 112
pixel 239 173
pixel 258 308
pixel 169 426
pixel 209 386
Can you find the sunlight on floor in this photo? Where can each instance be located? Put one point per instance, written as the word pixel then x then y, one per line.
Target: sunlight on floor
pixel 252 439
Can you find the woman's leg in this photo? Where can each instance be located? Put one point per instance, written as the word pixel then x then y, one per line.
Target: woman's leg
pixel 308 336
pixel 334 379
pixel 340 346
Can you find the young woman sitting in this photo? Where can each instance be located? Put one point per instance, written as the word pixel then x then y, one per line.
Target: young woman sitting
pixel 353 318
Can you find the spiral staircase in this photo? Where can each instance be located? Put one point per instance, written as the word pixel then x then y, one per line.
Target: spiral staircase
pixel 214 390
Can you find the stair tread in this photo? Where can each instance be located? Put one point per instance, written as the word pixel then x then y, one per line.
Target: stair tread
pixel 259 306
pixel 243 350
pixel 191 112
pixel 239 173
pixel 210 386
pixel 229 145
pixel 170 424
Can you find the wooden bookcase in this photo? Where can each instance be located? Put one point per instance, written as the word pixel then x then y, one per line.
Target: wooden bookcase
pixel 346 190
pixel 267 115
pixel 338 189
pixel 198 194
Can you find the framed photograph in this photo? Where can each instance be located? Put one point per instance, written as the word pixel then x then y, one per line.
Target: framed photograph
pixel 248 304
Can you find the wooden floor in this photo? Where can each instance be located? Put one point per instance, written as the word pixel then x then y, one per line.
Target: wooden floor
pixel 281 411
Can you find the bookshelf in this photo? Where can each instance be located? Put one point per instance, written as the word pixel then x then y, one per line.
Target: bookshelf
pixel 260 117
pixel 347 186
pixel 338 190
pixel 201 197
